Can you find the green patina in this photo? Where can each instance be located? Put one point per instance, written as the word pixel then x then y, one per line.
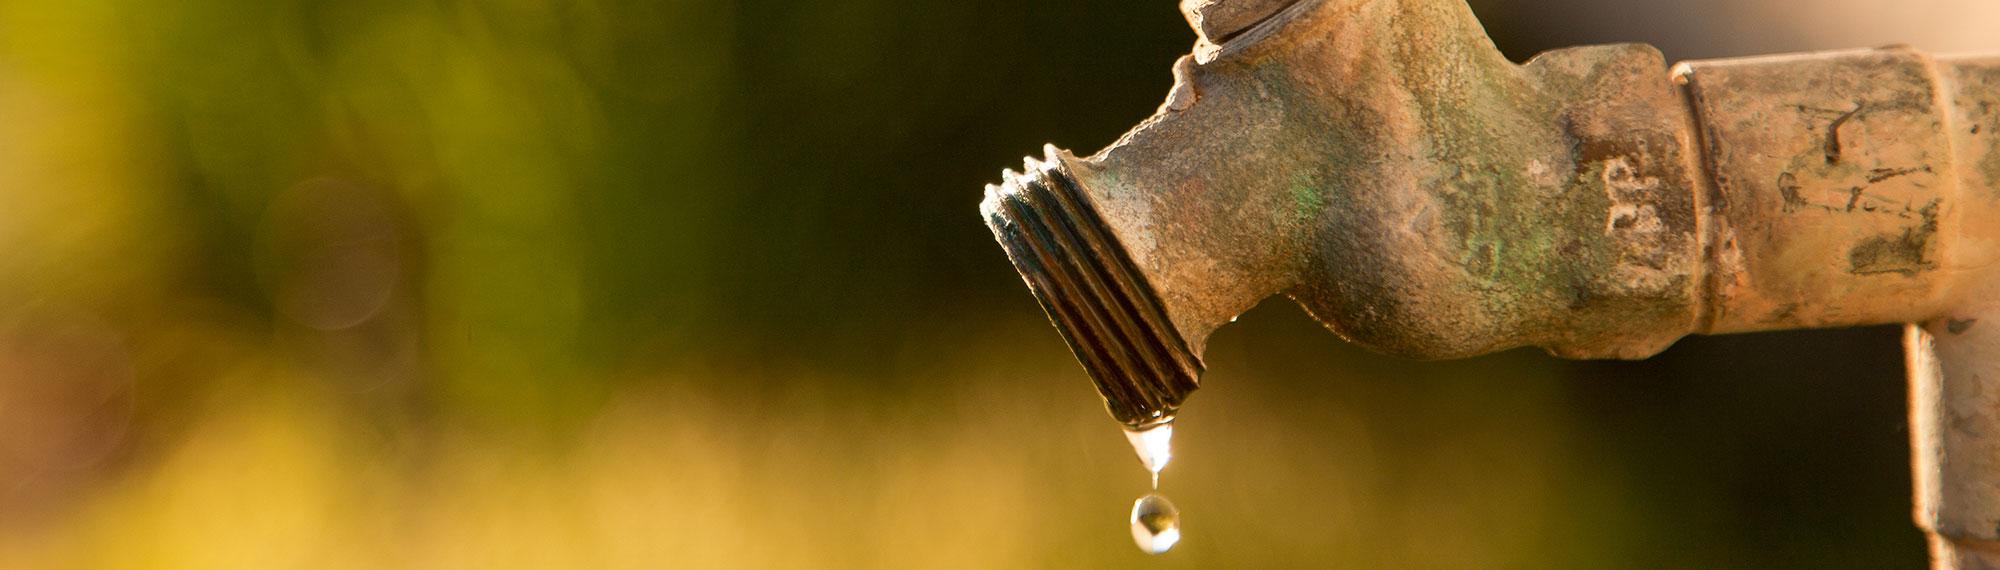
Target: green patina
pixel 1324 151
pixel 1514 233
pixel 1307 199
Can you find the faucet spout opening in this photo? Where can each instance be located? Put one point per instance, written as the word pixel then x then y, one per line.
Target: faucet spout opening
pixel 1106 310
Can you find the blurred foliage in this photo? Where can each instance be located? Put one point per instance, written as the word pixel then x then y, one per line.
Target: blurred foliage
pixel 530 283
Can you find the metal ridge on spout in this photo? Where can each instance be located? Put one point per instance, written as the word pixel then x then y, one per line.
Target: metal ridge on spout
pixel 1106 310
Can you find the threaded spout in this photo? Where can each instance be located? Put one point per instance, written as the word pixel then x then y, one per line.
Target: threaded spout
pixel 1096 297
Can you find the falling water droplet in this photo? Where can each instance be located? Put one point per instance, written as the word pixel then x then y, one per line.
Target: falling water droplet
pixel 1155 447
pixel 1156 524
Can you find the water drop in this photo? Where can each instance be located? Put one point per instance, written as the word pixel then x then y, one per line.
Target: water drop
pixel 1156 524
pixel 1154 446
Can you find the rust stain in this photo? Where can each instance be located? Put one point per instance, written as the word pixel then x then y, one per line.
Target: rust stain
pixel 1788 186
pixel 1833 133
pixel 1880 174
pixel 1959 326
pixel 1897 253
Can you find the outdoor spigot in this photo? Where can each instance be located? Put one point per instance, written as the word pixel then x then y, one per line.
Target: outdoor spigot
pixel 1384 165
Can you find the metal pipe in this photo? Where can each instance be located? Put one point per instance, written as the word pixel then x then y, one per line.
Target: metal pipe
pixel 1954 407
pixel 1381 163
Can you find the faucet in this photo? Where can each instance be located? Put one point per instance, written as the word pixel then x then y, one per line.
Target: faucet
pixel 1384 165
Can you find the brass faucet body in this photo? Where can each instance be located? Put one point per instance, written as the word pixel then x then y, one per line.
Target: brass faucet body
pixel 1384 165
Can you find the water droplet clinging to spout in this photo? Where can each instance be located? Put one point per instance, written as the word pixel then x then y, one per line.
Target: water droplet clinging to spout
pixel 1156 524
pixel 1154 445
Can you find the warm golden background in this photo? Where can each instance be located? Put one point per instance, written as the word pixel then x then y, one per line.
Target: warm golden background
pixel 686 284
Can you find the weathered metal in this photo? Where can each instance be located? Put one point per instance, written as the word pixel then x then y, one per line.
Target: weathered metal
pixel 1381 163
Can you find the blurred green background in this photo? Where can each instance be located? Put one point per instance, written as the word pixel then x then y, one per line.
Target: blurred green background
pixel 700 284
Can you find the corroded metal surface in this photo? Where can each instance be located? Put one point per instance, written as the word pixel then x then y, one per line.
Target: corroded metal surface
pixel 1832 175
pixel 1954 356
pixel 1382 164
